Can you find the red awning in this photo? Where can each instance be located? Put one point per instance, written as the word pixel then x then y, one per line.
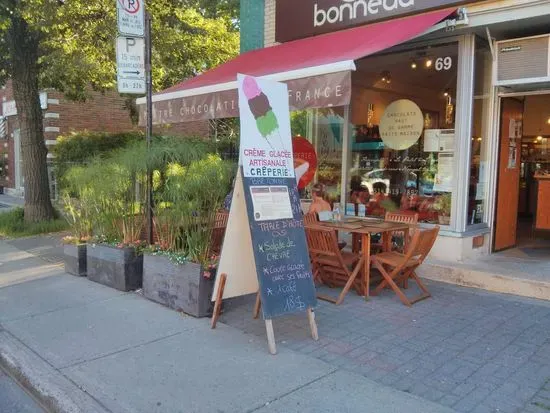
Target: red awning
pixel 301 63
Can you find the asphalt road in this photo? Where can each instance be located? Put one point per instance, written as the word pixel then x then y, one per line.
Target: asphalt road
pixel 13 399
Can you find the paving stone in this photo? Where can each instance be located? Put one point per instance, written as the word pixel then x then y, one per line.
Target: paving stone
pixel 449 400
pixel 462 345
pixel 535 409
pixel 483 408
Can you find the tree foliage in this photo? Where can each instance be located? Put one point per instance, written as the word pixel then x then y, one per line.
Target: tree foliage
pixel 77 40
pixel 228 9
pixel 69 45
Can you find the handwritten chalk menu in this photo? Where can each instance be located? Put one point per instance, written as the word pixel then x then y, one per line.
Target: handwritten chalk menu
pixel 280 252
pixel 272 200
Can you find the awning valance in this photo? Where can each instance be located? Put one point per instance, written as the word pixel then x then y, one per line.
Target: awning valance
pixel 317 71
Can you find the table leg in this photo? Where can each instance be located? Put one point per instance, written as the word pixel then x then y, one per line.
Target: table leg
pixel 405 247
pixel 366 271
pixel 386 241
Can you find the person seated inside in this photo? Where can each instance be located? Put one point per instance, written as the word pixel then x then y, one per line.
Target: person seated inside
pixel 377 206
pixel 319 204
pixel 359 193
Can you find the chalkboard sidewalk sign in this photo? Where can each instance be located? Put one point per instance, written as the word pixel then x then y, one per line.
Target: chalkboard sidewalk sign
pixel 265 248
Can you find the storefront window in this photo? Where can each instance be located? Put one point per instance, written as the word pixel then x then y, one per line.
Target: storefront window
pixel 477 195
pixel 319 160
pixel 403 145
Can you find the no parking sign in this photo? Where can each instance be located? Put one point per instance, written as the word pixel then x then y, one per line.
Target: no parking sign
pixel 131 17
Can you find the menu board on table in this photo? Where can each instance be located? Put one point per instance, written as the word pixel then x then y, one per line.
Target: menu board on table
pixel 265 247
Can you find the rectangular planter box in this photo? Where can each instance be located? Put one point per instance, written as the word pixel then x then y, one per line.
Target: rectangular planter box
pixel 180 287
pixel 119 268
pixel 75 259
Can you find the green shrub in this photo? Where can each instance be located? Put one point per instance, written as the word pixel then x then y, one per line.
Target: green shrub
pixel 12 224
pixel 187 204
pixel 79 148
pixel 110 190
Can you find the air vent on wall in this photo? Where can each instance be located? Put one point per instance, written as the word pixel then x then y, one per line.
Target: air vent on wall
pixel 523 61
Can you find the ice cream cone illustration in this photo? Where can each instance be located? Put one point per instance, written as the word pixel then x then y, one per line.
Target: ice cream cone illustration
pixel 261 109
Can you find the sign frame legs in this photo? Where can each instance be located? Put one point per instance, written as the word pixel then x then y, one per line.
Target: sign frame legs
pixel 270 336
pixel 219 299
pixel 257 306
pixel 269 325
pixel 312 324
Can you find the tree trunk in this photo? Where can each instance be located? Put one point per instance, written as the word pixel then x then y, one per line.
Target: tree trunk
pixel 23 47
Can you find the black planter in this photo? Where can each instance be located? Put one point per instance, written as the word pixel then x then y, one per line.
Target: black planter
pixel 120 268
pixel 181 287
pixel 75 259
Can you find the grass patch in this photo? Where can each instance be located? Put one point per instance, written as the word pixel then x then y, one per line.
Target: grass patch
pixel 541 405
pixel 13 225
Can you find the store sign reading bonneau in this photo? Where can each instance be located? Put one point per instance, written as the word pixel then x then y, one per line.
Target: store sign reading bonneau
pixel 305 18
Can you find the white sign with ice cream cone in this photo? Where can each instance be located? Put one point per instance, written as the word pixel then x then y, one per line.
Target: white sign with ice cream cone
pixel 266 142
pixel 265 247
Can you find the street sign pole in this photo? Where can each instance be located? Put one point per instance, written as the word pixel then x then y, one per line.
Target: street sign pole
pixel 134 74
pixel 149 127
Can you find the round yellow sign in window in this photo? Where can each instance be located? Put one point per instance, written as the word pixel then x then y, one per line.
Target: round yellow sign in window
pixel 401 125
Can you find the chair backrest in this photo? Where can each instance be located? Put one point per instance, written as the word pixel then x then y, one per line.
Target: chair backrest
pixel 421 244
pixel 221 219
pixel 218 232
pixel 401 218
pixel 322 241
pixel 323 248
pixel 411 219
pixel 311 218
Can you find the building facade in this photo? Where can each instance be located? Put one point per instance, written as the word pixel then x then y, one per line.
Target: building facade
pixel 102 112
pixel 468 172
pixel 434 108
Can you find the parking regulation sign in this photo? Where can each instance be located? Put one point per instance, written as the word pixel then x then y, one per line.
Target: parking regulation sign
pixel 130 16
pixel 130 59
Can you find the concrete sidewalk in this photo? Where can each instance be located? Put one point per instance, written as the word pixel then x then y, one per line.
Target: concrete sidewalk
pixel 82 347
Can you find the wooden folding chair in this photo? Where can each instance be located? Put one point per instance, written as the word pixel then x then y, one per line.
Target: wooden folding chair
pixel 331 265
pixel 402 219
pixel 218 232
pixel 311 218
pixel 397 268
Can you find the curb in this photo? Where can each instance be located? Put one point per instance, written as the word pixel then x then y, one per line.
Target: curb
pixel 10 204
pixel 482 280
pixel 47 385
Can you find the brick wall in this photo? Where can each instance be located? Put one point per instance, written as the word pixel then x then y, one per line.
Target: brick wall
pixel 198 129
pixel 269 35
pixel 6 144
pixel 102 112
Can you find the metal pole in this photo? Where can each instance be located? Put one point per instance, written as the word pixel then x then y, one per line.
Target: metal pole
pixel 149 127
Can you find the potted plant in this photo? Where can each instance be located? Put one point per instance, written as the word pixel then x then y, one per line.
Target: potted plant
pixel 443 205
pixel 114 257
pixel 179 271
pixel 74 249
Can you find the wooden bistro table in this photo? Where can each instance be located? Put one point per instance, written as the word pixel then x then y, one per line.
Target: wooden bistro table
pixel 366 228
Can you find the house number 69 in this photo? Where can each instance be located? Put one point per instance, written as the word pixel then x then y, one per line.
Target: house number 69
pixel 443 63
